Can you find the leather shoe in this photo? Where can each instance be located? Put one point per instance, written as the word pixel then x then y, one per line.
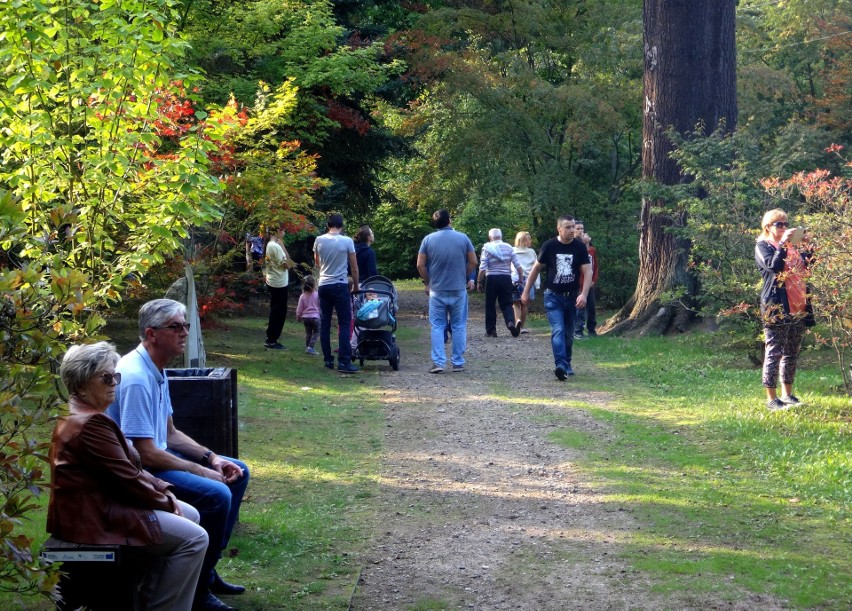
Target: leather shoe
pixel 220 586
pixel 210 603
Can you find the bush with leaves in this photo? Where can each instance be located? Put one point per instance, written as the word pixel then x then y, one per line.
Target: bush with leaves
pixel 35 309
pixel 98 187
pixel 826 205
pixel 723 201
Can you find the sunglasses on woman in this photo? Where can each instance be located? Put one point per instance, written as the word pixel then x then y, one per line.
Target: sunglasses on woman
pixel 112 378
pixel 780 224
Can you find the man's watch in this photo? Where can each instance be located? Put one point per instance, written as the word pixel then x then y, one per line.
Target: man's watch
pixel 205 460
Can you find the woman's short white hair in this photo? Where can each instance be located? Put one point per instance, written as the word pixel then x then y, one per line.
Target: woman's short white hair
pixel 83 361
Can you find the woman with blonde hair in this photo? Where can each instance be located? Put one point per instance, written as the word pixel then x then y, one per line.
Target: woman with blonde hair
pixel 782 254
pixel 527 257
pixel 276 273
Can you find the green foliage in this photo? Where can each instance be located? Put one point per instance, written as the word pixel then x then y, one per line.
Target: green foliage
pixel 398 232
pixel 39 306
pixel 276 181
pixel 724 203
pixel 337 69
pixel 826 204
pixel 526 112
pixel 103 176
pixel 477 217
pixel 242 43
pixel 81 139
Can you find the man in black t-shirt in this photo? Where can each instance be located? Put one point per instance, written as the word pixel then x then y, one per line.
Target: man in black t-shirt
pixel 564 258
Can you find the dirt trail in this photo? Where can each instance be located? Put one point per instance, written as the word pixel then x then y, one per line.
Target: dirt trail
pixel 479 509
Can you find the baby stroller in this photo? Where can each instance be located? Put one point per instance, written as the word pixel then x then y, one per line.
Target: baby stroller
pixel 375 307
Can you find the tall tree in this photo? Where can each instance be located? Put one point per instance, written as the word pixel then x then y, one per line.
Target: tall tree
pixel 338 68
pixel 689 80
pixel 527 110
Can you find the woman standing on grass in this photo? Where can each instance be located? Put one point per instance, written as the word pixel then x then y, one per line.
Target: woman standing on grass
pixel 275 271
pixel 782 254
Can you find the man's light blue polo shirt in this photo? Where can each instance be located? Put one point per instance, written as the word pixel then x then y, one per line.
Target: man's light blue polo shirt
pixel 446 259
pixel 142 404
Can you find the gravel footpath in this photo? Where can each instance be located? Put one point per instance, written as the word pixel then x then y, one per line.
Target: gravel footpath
pixel 479 508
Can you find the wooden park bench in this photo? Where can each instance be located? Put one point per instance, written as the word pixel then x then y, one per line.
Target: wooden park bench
pixel 97 577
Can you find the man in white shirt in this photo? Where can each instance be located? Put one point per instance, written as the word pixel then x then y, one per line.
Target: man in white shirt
pixel 334 255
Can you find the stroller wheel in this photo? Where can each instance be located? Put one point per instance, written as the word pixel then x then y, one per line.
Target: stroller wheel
pixel 361 361
pixel 394 360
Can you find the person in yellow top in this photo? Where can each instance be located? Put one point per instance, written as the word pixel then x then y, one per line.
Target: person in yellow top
pixel 275 271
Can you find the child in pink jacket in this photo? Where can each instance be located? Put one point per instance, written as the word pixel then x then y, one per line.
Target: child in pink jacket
pixel 308 313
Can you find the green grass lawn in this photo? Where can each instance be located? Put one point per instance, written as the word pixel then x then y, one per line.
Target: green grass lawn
pixel 729 492
pixel 726 492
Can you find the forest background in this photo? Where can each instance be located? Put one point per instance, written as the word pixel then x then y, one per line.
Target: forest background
pixel 139 134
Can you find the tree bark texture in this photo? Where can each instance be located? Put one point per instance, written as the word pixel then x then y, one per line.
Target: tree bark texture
pixel 689 77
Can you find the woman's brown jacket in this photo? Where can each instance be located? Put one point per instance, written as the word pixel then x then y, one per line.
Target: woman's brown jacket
pixel 99 492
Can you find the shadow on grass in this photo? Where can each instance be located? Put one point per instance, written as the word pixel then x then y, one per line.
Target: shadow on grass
pixel 727 489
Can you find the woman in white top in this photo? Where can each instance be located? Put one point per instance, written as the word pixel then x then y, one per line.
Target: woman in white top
pixel 527 257
pixel 275 271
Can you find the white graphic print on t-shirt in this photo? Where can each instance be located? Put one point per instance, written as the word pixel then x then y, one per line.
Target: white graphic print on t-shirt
pixel 564 269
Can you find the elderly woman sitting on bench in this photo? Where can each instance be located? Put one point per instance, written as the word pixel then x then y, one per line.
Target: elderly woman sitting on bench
pixel 101 495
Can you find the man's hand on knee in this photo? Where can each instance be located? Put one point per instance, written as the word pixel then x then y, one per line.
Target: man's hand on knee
pixel 229 471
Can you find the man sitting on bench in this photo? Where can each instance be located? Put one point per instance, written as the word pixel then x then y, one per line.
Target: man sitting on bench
pixel 213 484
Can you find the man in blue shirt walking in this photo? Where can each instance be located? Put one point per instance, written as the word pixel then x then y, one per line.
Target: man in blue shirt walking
pixel 444 262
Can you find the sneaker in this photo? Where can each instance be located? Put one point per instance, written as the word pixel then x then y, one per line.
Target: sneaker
pixel 777 405
pixel 350 368
pixel 491 334
pixel 791 401
pixel 525 330
pixel 274 346
pixel 329 365
pixel 559 372
pixel 579 336
pixel 311 351
pixel 436 369
pixel 569 371
pixel 458 368
pixel 514 329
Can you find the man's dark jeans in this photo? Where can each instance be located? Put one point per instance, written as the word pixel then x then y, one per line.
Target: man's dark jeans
pixel 498 288
pixel 561 311
pixel 336 297
pixel 218 505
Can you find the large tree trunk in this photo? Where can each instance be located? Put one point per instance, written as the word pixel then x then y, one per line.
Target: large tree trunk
pixel 690 77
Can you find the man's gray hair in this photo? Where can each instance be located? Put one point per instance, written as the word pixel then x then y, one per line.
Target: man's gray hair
pixel 495 234
pixel 157 313
pixel 83 361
